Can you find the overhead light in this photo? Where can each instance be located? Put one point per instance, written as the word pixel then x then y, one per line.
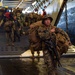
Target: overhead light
pixel 34 3
pixel 23 11
pixel 27 8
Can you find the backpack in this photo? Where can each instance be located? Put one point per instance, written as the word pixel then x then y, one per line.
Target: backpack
pixel 7 27
pixel 34 39
pixel 62 41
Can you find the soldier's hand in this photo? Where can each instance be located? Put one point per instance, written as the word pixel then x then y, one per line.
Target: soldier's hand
pixel 31 26
pixel 52 30
pixel 24 33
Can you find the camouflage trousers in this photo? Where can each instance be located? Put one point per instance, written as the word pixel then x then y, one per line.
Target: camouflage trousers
pixel 9 37
pixel 51 65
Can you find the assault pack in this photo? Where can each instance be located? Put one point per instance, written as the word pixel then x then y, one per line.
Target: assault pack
pixel 62 39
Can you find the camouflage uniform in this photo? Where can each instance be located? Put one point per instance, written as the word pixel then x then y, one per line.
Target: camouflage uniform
pixel 59 36
pixel 44 33
pixel 20 20
pixel 62 41
pixel 32 18
pixel 8 30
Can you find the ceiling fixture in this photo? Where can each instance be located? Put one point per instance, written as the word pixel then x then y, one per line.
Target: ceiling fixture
pixel 34 3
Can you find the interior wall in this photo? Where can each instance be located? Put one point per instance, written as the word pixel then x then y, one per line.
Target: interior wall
pixel 53 9
pixel 70 20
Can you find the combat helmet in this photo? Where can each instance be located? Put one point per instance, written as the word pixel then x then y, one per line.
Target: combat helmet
pixel 47 17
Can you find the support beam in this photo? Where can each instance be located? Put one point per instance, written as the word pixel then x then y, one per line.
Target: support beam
pixel 60 12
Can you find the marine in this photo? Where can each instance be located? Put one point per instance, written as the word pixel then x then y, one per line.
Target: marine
pixel 54 43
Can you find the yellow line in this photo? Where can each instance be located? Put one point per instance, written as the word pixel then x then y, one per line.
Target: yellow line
pixel 70 68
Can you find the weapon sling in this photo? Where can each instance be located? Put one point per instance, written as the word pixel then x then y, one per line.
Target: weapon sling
pixel 51 47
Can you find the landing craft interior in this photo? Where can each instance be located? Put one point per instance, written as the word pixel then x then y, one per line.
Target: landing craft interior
pixel 58 9
pixel 52 7
pixel 63 15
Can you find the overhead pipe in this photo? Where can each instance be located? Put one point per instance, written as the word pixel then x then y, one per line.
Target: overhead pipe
pixel 19 4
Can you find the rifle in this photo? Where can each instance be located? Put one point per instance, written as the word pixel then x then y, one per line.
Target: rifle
pixel 51 47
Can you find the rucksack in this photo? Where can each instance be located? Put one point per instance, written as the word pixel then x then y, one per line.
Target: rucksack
pixel 7 27
pixel 62 41
pixel 34 39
